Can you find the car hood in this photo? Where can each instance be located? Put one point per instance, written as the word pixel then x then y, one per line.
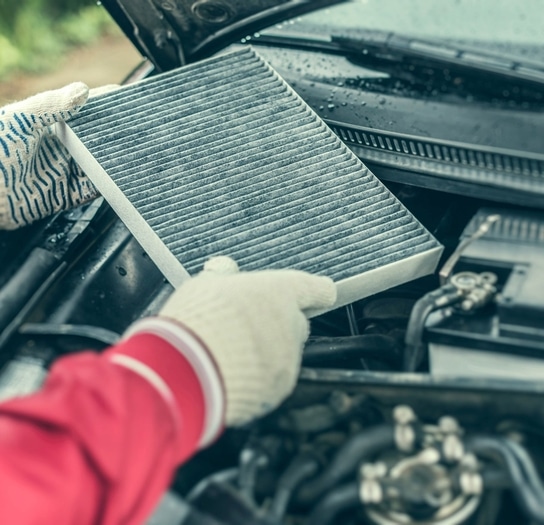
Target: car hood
pixel 171 33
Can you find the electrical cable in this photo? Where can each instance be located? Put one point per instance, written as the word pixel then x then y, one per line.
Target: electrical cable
pixel 434 300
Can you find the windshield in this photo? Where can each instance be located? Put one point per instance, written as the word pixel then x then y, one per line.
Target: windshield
pixel 496 25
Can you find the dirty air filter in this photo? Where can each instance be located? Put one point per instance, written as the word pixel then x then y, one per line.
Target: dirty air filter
pixel 223 157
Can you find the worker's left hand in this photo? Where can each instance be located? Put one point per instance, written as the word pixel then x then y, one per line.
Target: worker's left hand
pixel 38 177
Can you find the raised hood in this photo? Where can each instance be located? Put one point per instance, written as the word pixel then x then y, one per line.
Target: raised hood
pixel 171 33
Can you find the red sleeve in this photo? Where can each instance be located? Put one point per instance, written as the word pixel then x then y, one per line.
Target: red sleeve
pixel 100 442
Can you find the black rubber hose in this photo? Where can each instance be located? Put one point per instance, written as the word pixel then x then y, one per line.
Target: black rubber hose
pixel 336 501
pixel 527 465
pixel 529 495
pixel 24 283
pixel 248 470
pixel 302 467
pixel 496 478
pixel 323 350
pixel 358 448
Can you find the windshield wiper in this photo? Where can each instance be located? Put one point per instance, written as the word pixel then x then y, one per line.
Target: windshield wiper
pixel 386 48
pixel 392 47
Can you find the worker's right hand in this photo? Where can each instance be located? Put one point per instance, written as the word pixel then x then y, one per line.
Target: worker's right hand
pixel 254 325
pixel 38 177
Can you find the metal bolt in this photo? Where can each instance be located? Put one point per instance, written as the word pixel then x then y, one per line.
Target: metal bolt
pixel 371 492
pixel 469 461
pixel 403 414
pixel 489 278
pixel 453 448
pixel 471 483
pixel 449 425
pixel 429 456
pixel 373 470
pixel 465 281
pixel 405 437
pixel 467 305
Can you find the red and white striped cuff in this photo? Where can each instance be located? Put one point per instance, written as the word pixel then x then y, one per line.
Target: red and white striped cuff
pixel 195 352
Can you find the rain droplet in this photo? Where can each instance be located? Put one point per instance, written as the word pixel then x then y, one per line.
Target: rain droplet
pixel 122 271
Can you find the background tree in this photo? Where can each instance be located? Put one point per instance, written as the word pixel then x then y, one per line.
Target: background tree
pixel 35 33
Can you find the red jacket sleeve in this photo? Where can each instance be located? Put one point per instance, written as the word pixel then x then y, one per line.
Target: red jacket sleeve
pixel 100 441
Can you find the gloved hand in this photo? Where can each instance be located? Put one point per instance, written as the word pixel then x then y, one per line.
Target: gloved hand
pixel 38 177
pixel 254 326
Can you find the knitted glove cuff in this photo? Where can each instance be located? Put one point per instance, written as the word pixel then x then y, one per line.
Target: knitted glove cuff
pixel 236 338
pixel 185 342
pixel 38 175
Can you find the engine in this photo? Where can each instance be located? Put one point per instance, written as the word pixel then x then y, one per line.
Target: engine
pixel 414 407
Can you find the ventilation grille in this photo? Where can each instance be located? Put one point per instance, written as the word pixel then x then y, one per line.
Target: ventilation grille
pixel 222 157
pixel 530 169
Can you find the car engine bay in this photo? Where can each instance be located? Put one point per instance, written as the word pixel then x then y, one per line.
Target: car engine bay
pixel 421 404
pixel 391 422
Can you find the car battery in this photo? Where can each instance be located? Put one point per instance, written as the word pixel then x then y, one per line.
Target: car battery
pixel 505 337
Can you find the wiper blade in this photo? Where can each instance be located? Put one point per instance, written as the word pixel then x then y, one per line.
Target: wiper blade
pixel 395 48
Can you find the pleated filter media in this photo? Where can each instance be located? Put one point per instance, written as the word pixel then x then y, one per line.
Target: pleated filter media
pixel 222 157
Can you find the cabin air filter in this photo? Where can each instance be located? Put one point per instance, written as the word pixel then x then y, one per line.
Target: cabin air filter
pixel 222 157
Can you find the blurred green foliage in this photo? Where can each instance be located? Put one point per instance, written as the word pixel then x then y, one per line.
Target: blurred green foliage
pixel 35 33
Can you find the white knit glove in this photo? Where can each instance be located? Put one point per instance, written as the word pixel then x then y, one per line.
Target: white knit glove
pixel 38 177
pixel 254 326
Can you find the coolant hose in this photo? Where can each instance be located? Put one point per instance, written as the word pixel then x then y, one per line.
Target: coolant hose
pixel 302 467
pixel 336 501
pixel 525 482
pixel 324 350
pixel 357 449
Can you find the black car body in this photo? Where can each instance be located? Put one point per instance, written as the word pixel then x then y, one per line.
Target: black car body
pixel 422 404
